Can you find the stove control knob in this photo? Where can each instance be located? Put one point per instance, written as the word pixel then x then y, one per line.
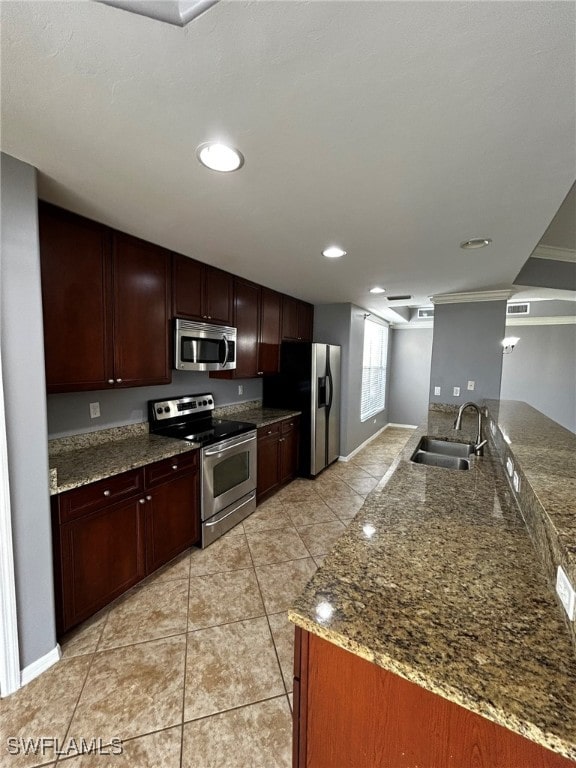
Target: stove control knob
pixel 167 410
pixel 204 402
pixel 158 410
pixel 210 402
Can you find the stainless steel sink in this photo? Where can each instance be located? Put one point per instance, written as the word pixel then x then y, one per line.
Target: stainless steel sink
pixel 440 460
pixel 445 447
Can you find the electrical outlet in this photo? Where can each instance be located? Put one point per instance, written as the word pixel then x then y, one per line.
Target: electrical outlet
pixel 516 482
pixel 456 391
pixel 471 385
pixel 566 593
pixel 493 427
pixel 509 466
pixel 437 391
pixel 94 410
pixel 240 389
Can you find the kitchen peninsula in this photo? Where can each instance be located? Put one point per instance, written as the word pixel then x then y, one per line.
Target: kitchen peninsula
pixel 431 635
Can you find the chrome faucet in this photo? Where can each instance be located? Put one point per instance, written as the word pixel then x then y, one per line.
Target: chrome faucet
pixel 480 443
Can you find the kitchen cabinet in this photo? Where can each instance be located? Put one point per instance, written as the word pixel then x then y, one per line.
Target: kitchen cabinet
pixel 352 713
pixel 110 534
pixel 270 332
pixel 297 319
pixel 105 302
pixel 201 292
pixel 277 456
pixel 76 298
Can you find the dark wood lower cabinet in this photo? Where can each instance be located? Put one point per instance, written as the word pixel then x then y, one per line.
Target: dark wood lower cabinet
pixel 277 456
pixel 351 713
pixel 110 534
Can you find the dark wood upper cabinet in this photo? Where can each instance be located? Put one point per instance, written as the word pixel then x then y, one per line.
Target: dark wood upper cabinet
pixel 270 331
pixel 289 318
pixel 76 297
pixel 141 275
pixel 201 292
pixel 105 301
pixel 246 320
pixel 297 319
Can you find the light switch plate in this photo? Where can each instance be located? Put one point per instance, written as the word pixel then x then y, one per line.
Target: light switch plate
pixel 456 391
pixel 471 385
pixel 437 390
pixel 94 410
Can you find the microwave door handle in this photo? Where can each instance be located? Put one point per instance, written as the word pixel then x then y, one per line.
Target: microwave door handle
pixel 225 350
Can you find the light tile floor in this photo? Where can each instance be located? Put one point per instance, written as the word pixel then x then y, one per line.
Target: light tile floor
pixel 193 667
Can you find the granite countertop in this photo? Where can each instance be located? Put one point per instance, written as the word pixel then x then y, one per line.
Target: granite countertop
pixel 436 580
pixel 87 462
pixel 261 417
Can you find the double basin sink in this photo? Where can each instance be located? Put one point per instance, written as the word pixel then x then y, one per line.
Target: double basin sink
pixel 448 454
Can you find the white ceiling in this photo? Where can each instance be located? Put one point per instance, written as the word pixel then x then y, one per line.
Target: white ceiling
pixel 395 129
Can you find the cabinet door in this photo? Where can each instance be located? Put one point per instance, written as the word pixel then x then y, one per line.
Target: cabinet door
pixel 305 321
pixel 289 318
pixel 141 274
pixel 187 287
pixel 268 465
pixel 246 320
pixel 102 555
pixel 218 295
pixel 289 451
pixel 172 519
pixel 74 258
pixel 270 332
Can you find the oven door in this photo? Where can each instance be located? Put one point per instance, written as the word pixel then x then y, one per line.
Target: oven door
pixel 228 472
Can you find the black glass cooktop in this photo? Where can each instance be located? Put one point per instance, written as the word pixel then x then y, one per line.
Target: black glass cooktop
pixel 206 431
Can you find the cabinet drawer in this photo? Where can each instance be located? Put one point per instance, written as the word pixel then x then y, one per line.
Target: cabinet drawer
pixel 161 471
pixel 89 498
pixel 268 431
pixel 289 425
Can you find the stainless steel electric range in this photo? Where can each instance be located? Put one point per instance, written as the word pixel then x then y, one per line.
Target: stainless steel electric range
pixel 228 463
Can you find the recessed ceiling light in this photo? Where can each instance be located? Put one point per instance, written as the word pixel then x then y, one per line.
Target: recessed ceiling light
pixel 219 157
pixel 333 252
pixel 475 242
pixel 377 289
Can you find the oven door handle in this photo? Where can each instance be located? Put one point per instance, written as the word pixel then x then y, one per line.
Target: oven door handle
pixel 225 340
pixel 217 522
pixel 236 445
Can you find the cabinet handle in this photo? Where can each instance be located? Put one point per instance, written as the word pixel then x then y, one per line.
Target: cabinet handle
pixel 110 381
pixel 106 493
pixel 209 317
pixel 174 466
pixel 148 498
pixel 260 373
pixel 118 381
pixel 269 432
pixel 141 501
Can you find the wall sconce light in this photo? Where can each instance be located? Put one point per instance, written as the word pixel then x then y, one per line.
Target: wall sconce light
pixel 509 343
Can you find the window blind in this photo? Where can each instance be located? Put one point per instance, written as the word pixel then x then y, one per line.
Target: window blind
pixel 373 399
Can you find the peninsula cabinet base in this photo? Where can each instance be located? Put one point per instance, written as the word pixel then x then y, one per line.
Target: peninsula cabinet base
pixel 351 713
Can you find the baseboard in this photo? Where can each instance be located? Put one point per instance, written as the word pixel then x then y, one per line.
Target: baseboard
pixel 401 426
pixel 40 665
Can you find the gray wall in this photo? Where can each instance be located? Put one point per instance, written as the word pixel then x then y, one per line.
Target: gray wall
pixel 25 400
pixel 547 273
pixel 467 346
pixel 69 414
pixel 541 371
pixel 343 324
pixel 411 353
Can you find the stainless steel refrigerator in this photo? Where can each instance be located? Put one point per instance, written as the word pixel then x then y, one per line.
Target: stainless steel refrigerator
pixel 309 381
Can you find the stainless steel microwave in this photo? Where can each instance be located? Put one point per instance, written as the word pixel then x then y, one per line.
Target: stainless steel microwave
pixel 204 347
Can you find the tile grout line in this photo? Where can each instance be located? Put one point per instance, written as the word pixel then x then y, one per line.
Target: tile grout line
pixel 267 619
pixel 185 659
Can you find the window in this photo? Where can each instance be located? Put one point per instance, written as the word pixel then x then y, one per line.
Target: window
pixel 374 369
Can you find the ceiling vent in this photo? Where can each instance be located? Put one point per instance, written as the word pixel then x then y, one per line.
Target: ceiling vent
pixel 518 309
pixel 399 298
pixel 425 313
